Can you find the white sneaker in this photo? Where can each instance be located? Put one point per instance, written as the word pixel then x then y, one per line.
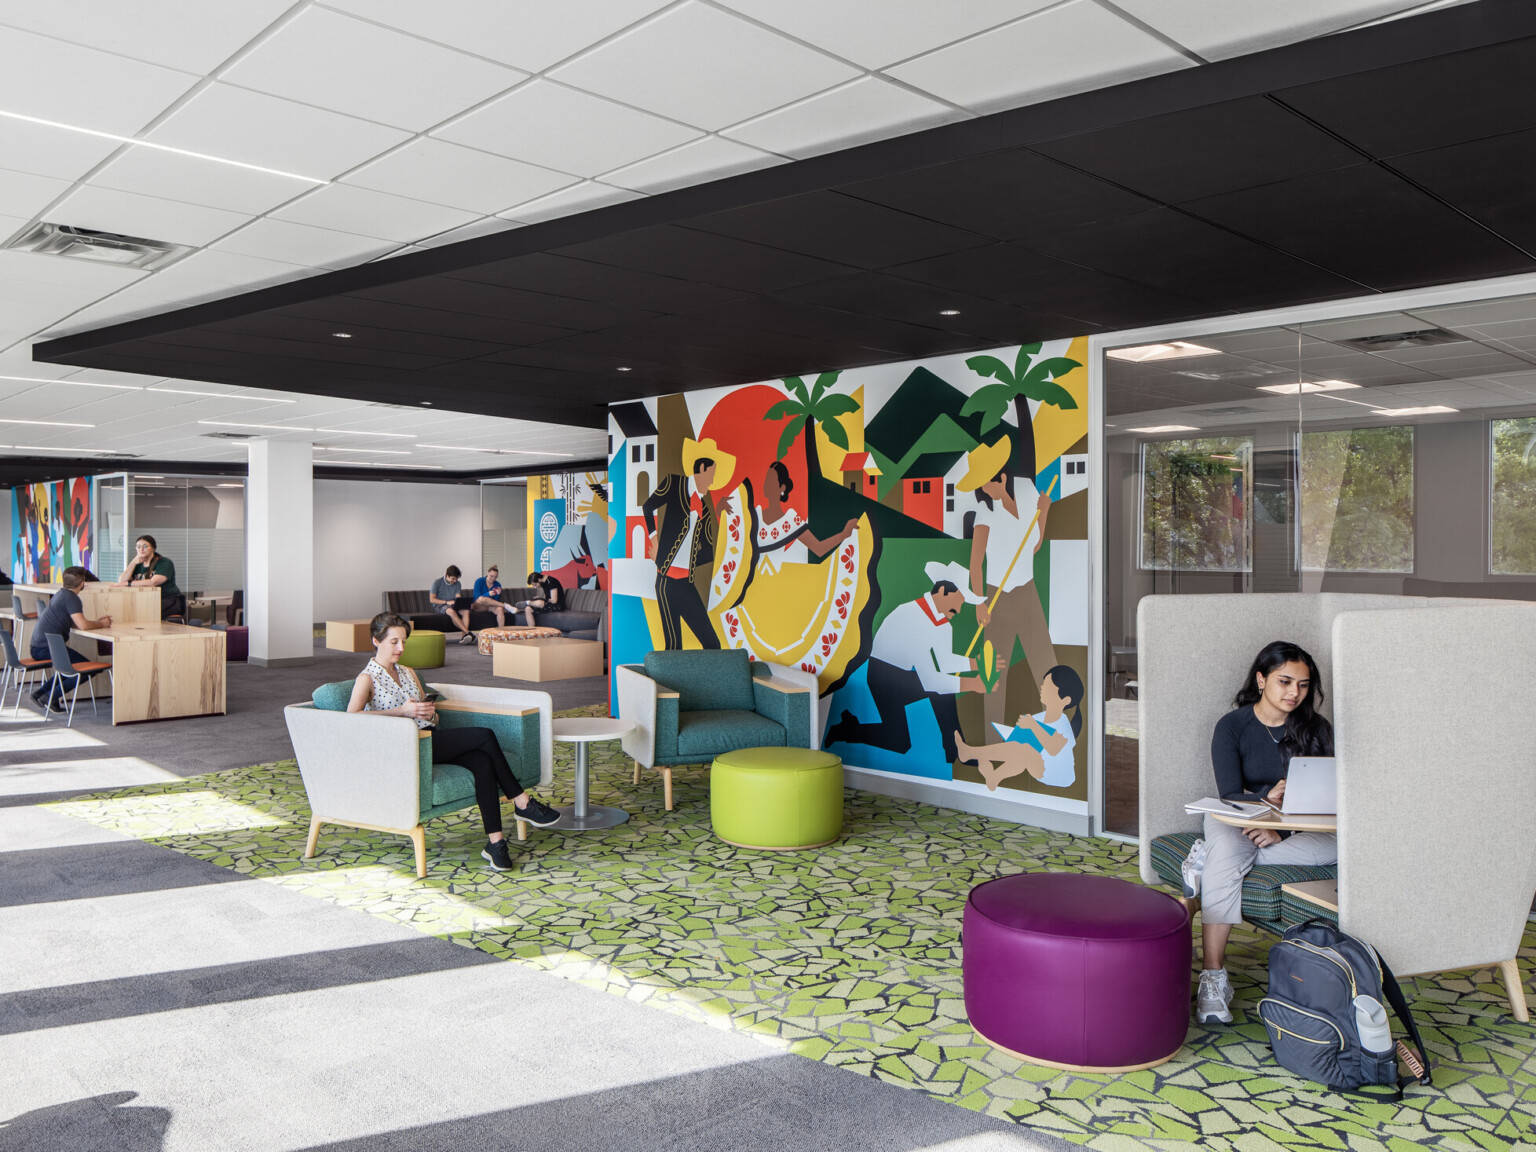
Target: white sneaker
pixel 1193 867
pixel 1214 996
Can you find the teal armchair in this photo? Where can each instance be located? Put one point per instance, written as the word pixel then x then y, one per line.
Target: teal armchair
pixel 689 706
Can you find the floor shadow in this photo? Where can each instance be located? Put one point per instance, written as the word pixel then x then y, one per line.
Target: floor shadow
pixel 87 871
pixel 64 1005
pixel 98 1123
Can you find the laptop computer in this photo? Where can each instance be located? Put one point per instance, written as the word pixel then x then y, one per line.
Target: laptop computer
pixel 1311 787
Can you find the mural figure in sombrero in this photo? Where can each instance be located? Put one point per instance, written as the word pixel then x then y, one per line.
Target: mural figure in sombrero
pixel 682 520
pixel 1010 526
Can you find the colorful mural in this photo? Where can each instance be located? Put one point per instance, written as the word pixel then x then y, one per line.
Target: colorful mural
pixel 51 529
pixel 568 529
pixel 915 534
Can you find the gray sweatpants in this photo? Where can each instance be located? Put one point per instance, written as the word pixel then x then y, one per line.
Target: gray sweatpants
pixel 1229 856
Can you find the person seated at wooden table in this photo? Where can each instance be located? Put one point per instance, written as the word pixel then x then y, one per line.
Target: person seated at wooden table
pixel 449 598
pixel 65 612
pixel 388 687
pixel 488 595
pixel 547 598
pixel 149 569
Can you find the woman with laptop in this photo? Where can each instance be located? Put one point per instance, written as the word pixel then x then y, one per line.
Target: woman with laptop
pixel 1274 718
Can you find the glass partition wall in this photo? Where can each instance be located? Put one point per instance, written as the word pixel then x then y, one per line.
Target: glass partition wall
pixel 197 521
pixel 1393 453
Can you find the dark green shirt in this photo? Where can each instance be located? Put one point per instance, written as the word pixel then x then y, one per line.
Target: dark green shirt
pixel 162 567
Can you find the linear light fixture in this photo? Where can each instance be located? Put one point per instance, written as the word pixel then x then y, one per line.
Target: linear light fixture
pixel 1173 350
pixel 46 423
pixel 497 451
pixel 1307 386
pixel 160 147
pixel 271 427
pixel 368 464
pixel 77 383
pixel 219 395
pixel 66 451
pixel 1425 410
pixel 1165 428
pixel 355 432
pixel 368 451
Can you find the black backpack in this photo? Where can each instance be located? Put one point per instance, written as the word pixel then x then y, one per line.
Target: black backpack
pixel 1326 1016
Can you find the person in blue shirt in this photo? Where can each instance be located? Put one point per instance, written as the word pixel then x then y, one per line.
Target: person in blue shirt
pixel 488 595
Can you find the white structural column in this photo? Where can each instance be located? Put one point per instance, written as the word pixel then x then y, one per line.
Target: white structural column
pixel 280 553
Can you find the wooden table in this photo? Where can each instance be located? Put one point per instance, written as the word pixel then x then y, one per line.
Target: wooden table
pixel 161 671
pixel 126 605
pixel 1323 893
pixel 1280 823
pixel 547 659
pixel 348 635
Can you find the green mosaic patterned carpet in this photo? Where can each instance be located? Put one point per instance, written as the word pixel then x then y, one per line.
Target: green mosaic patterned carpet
pixel 848 954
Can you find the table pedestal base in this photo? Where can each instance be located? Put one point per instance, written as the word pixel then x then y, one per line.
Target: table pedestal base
pixel 581 816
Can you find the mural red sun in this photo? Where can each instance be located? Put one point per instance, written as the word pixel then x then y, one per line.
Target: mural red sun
pixel 737 424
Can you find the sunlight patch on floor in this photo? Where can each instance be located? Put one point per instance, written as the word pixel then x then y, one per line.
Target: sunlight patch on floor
pixel 71 775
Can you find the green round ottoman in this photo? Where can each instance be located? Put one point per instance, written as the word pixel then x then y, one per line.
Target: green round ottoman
pixel 780 799
pixel 424 650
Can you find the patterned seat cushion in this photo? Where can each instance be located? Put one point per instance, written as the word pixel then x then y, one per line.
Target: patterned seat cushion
pixel 490 636
pixel 1261 887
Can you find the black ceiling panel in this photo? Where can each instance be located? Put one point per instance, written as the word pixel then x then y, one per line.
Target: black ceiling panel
pixel 1204 151
pixel 1237 185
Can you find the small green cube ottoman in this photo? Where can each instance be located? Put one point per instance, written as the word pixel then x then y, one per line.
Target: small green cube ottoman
pixel 424 650
pixel 779 799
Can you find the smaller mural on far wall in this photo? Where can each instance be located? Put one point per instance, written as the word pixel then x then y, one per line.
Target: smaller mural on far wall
pixel 51 529
pixel 569 528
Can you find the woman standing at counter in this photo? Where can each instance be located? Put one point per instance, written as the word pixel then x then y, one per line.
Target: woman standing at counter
pixel 152 570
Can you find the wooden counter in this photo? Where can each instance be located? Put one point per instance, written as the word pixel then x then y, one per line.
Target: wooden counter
pixel 125 605
pixel 161 671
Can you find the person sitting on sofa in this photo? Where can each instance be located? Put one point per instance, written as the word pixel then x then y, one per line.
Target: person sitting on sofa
pixel 488 595
pixel 449 598
pixel 1274 718
pixel 548 597
pixel 64 612
pixel 388 687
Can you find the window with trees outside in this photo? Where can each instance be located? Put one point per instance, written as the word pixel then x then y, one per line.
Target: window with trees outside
pixel 1357 500
pixel 1197 504
pixel 1512 508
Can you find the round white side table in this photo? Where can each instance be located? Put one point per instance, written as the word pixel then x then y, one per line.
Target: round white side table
pixel 581 731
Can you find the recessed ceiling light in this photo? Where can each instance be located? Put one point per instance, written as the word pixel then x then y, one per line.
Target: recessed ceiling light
pixel 425 403
pixel 495 451
pixel 356 432
pixel 342 335
pixel 1307 386
pixel 1173 350
pixel 1166 428
pixel 625 369
pixel 66 451
pixel 375 464
pixel 273 427
pixel 949 312
pixel 1425 410
pixel 368 451
pixel 146 476
pixel 49 423
pixel 217 395
pixel 77 383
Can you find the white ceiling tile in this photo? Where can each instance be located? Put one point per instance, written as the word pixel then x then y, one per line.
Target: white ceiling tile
pixel 73 85
pixel 29 267
pixel 1040 58
pixel 443 173
pixel 708 159
pixel 583 197
pixel 370 213
pixel 530 34
pixel 17 296
pixel 875 33
pixel 485 227
pixel 108 210
pixel 258 129
pixel 703 66
pixel 172 176
pixel 868 109
pixel 352 66
pixel 557 127
pixel 51 151
pixel 193 35
pixel 299 243
pixel 232 268
pixel 25 195
pixel 1236 27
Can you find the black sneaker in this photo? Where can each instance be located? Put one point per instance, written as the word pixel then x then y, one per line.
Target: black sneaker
pixel 538 813
pixel 57 704
pixel 496 852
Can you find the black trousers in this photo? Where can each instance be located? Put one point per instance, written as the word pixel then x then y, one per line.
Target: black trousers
pixel 678 600
pixel 893 689
pixel 477 750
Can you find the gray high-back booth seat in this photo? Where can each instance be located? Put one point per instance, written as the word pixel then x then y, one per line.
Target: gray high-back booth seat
pixel 584 618
pixel 1430 700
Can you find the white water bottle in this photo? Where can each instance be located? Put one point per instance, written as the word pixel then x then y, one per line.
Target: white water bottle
pixel 1371 1023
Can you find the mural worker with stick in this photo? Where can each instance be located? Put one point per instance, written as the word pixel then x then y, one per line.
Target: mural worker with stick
pixel 683 543
pixel 1010 527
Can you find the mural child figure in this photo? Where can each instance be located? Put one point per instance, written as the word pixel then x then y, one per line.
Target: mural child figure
pixel 1041 745
pixel 682 520
pixel 913 658
pixel 1007 536
pixel 783 535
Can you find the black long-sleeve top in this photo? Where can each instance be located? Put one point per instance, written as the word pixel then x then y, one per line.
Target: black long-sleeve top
pixel 1247 756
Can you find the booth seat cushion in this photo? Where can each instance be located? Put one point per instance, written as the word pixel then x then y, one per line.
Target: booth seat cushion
pixel 333 697
pixel 705 679
pixel 704 735
pixel 1261 887
pixel 450 783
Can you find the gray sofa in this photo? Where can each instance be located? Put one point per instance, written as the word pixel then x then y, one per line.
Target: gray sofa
pixel 585 617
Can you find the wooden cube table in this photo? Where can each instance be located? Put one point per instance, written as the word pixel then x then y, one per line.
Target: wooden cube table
pixel 548 659
pixel 348 635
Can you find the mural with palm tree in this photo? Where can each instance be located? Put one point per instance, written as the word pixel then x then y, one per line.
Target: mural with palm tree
pixel 1022 382
pixel 810 406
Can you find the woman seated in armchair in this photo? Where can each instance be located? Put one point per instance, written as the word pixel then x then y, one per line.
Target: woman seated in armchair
pixel 388 687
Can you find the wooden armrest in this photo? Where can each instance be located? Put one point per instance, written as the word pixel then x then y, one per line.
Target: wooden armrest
pixel 423 733
pixel 779 686
pixel 488 709
pixel 667 695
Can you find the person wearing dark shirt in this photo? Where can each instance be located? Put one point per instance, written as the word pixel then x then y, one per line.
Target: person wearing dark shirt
pixel 449 598
pixel 1274 717
pixel 152 570
pixel 548 595
pixel 65 612
pixel 488 595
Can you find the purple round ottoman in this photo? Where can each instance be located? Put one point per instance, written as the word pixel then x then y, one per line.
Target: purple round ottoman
pixel 1082 972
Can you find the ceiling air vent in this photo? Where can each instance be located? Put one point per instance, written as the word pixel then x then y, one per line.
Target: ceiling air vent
pixel 229 436
pixel 101 247
pixel 1423 338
